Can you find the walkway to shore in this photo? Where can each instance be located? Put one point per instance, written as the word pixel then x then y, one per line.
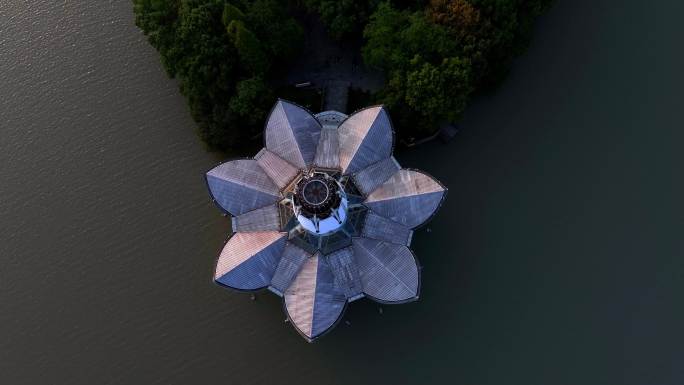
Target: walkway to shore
pixel 333 66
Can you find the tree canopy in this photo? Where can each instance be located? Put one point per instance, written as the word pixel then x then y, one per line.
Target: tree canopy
pixel 228 55
pixel 344 18
pixel 221 53
pixel 435 57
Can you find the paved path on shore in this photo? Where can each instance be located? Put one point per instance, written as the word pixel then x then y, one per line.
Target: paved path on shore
pixel 332 66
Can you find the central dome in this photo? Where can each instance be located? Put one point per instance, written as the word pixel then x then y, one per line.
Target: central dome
pixel 320 203
pixel 316 194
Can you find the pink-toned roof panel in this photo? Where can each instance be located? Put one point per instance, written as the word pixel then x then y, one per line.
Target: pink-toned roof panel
pixel 408 197
pixel 292 133
pixel 278 169
pixel 366 137
pixel 249 260
pixel 389 272
pixel 240 186
pixel 313 302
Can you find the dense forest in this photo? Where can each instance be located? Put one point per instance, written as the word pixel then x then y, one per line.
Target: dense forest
pixel 229 56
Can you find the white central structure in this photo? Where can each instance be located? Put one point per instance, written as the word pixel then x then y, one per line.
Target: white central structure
pixel 320 203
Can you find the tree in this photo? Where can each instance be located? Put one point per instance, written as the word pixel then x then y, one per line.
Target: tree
pixel 469 29
pixel 436 57
pixel 220 51
pixel 343 18
pixel 252 100
pixel 490 32
pixel 231 13
pixel 271 22
pixel 249 48
pixel 439 92
pixel 228 54
pixel 427 83
pixel 382 37
pixel 394 37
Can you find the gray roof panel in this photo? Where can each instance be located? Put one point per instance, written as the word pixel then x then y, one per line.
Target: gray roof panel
pixel 292 133
pixel 389 272
pixel 409 197
pixel 249 260
pixel 346 274
pixel 313 303
pixel 368 179
pixel 327 153
pixel 263 219
pixel 288 267
pixel 240 186
pixel 383 229
pixel 278 169
pixel 366 137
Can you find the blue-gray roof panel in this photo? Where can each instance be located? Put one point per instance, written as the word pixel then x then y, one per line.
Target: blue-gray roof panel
pixel 290 264
pixel 240 186
pixel 409 197
pixel 292 133
pixel 366 137
pixel 389 272
pixel 313 302
pixel 249 260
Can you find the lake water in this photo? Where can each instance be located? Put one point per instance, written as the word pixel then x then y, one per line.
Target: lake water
pixel 557 258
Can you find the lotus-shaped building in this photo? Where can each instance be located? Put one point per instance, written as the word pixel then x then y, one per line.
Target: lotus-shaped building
pixel 323 215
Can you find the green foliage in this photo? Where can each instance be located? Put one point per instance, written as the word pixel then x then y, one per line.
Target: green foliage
pixel 252 100
pixel 426 94
pixel 229 54
pixel 382 40
pixel 492 32
pixel 435 57
pixel 440 90
pixel 231 13
pixel 344 18
pixel 425 77
pixel 394 37
pixel 220 52
pixel 271 22
pixel 248 46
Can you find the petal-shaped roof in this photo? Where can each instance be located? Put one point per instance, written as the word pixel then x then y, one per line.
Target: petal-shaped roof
pixel 376 174
pixel 292 133
pixel 409 197
pixel 263 219
pixel 377 203
pixel 366 137
pixel 383 229
pixel 389 272
pixel 291 262
pixel 240 186
pixel 278 169
pixel 313 302
pixel 248 260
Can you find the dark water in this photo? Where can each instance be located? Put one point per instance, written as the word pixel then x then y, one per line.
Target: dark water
pixel 557 259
